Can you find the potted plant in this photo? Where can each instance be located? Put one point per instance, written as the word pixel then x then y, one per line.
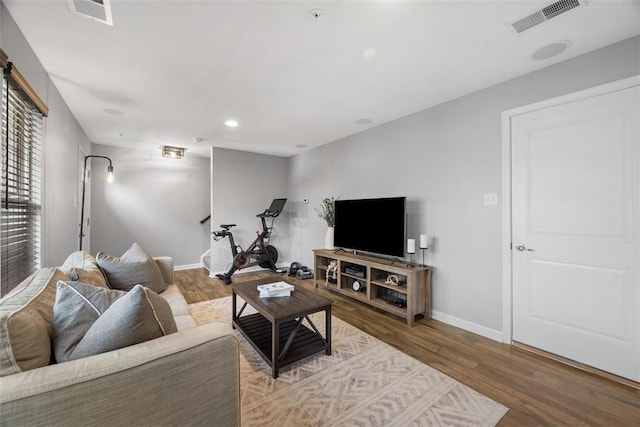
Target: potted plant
pixel 328 213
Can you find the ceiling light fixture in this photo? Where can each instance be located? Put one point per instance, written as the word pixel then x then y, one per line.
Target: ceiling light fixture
pixel 231 123
pixel 172 152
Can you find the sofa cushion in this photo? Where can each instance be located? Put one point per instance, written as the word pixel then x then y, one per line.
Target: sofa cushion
pixel 26 315
pixel 185 321
pixel 176 300
pixel 165 264
pixel 83 267
pixel 179 307
pixel 134 267
pixel 90 320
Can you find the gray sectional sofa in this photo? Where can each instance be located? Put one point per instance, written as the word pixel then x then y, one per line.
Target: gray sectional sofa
pixel 190 377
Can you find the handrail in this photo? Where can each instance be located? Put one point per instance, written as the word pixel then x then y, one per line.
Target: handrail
pixel 205 219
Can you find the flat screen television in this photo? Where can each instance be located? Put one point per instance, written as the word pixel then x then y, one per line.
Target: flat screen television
pixel 371 225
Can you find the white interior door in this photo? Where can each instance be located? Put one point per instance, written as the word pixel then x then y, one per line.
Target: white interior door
pixel 575 230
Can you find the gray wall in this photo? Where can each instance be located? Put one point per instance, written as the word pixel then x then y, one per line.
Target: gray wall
pixel 62 180
pixel 243 185
pixel 61 139
pixel 444 159
pixel 155 201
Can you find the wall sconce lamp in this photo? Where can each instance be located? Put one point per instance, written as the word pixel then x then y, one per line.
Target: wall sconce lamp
pixel 172 152
pixel 84 184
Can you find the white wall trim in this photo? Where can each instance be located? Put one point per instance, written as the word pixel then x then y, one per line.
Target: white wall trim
pixel 187 267
pixel 506 228
pixel 507 267
pixel 203 256
pixel 467 326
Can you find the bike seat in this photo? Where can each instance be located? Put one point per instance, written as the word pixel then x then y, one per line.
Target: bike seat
pixel 227 226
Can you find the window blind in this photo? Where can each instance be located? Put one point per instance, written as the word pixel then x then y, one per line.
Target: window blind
pixel 21 183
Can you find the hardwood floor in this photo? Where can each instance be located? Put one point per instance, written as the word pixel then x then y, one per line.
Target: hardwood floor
pixel 537 390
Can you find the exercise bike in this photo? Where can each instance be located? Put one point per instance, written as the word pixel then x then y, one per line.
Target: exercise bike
pixel 260 251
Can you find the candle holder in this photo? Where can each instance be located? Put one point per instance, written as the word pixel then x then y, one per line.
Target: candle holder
pixel 411 249
pixel 424 245
pixel 410 263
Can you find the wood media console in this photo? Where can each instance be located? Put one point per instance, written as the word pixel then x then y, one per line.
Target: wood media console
pixel 391 286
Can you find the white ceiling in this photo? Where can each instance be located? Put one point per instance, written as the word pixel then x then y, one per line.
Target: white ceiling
pixel 170 71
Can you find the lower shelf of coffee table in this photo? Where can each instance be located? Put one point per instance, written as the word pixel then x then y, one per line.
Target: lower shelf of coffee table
pixel 257 330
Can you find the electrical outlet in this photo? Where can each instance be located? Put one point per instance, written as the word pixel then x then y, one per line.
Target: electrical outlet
pixel 490 199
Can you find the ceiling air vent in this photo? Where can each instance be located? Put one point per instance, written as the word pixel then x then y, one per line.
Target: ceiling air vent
pixel 97 10
pixel 541 16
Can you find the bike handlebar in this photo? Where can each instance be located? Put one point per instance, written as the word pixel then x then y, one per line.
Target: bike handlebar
pixel 268 214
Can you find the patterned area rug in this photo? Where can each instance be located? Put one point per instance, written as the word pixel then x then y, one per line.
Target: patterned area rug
pixel 364 382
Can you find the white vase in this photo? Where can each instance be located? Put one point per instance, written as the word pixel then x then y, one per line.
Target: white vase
pixel 328 239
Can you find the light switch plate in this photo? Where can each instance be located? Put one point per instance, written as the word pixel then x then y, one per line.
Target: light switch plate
pixel 490 199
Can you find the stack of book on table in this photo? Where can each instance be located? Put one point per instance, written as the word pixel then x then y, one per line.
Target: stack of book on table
pixel 278 289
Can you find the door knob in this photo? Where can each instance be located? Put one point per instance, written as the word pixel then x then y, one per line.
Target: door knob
pixel 520 247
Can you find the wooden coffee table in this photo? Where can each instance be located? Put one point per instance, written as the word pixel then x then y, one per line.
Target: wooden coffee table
pixel 277 331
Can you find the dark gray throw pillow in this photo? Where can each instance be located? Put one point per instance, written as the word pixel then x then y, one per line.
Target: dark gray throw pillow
pixel 134 267
pixel 88 320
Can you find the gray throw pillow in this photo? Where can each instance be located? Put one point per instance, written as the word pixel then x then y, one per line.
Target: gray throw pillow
pixel 88 320
pixel 77 306
pixel 134 267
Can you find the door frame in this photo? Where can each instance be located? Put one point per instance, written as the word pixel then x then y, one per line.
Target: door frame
pixel 507 262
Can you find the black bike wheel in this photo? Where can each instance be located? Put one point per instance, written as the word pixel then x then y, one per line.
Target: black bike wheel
pixel 273 254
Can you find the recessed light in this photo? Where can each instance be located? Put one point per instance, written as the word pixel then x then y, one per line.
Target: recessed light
pixel 301 145
pixel 363 121
pixel 369 53
pixel 231 123
pixel 113 112
pixel 550 50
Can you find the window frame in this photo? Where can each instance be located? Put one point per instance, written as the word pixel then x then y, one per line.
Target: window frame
pixel 21 178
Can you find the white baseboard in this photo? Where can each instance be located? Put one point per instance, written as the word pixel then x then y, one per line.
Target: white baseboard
pixel 467 326
pixel 187 266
